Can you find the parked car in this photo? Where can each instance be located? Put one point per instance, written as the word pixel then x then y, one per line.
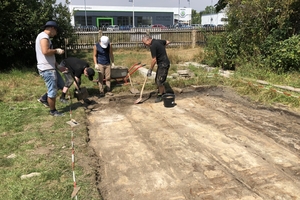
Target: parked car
pixel 92 28
pixel 179 25
pixel 159 26
pixel 86 28
pixel 187 27
pixel 113 28
pixel 125 27
pixel 79 28
pixel 144 26
pixel 196 26
pixel 209 26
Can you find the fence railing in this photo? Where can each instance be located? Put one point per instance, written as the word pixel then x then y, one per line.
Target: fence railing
pixel 133 38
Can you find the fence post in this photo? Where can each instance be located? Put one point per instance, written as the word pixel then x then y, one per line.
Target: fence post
pixel 148 32
pixel 100 33
pixel 193 38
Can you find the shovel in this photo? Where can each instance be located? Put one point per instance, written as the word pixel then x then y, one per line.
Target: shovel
pixel 132 89
pixel 140 99
pixel 83 94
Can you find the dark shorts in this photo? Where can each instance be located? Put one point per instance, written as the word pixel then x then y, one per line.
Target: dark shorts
pixel 161 74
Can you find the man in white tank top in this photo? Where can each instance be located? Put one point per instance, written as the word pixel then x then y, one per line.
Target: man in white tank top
pixel 47 65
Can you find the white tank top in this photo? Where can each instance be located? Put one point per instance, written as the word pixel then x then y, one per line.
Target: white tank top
pixel 43 62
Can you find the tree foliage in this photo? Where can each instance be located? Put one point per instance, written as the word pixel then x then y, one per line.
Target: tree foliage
pixel 220 5
pixel 21 21
pixel 208 10
pixel 259 28
pixel 285 56
pixel 195 17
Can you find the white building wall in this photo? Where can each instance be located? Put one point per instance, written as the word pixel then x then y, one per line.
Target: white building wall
pixel 215 19
pixel 185 14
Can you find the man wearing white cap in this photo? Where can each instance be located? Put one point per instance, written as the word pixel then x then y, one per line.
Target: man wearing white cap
pixel 103 58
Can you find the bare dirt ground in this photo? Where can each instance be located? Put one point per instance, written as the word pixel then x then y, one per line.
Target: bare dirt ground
pixel 213 144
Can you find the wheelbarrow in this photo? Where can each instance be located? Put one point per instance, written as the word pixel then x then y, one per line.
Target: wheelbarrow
pixel 119 73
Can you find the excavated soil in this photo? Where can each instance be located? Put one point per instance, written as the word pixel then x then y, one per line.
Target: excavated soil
pixel 213 144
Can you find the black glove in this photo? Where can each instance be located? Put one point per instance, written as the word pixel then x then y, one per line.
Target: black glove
pixel 149 73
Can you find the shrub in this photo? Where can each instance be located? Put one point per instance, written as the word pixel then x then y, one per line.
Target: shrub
pixel 285 55
pixel 222 51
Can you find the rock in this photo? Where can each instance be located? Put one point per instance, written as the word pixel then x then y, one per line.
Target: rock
pixel 30 175
pixel 179 90
pixel 91 107
pixel 12 156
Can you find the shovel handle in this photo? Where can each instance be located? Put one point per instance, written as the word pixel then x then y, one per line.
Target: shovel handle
pixel 130 80
pixel 143 87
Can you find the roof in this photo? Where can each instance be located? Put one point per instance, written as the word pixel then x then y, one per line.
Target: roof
pixel 129 8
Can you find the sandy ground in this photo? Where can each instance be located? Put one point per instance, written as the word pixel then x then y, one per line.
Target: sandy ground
pixel 212 145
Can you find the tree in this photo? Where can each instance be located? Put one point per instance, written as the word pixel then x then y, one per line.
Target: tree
pixel 208 10
pixel 259 28
pixel 195 17
pixel 220 5
pixel 21 21
pixel 254 20
pixel 295 16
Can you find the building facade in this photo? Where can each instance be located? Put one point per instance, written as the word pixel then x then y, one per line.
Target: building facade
pixel 135 16
pixel 215 19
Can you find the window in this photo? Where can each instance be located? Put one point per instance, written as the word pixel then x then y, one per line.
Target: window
pixel 123 20
pixel 144 20
pixel 80 20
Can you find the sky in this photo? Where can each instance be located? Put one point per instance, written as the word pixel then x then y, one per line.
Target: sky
pixel 198 5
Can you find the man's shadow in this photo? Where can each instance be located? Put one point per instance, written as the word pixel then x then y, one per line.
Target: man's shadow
pixel 72 105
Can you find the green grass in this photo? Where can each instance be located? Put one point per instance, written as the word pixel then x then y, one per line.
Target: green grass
pixel 265 93
pixel 42 143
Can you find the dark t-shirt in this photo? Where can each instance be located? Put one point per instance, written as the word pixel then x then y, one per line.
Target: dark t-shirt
pixel 103 54
pixel 75 66
pixel 158 50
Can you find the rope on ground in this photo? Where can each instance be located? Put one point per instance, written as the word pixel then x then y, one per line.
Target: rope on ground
pixel 73 123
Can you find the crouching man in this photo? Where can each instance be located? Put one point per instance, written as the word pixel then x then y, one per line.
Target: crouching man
pixel 74 68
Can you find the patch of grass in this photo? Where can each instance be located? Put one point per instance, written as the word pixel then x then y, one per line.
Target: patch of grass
pixel 266 94
pixel 253 71
pixel 40 143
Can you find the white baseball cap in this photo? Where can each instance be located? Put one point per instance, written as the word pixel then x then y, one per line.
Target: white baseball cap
pixel 104 40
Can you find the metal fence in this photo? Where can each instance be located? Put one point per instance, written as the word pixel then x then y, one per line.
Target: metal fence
pixel 133 38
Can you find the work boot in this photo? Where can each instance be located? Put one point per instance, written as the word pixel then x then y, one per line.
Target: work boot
pixel 101 93
pixel 158 98
pixel 45 103
pixel 56 113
